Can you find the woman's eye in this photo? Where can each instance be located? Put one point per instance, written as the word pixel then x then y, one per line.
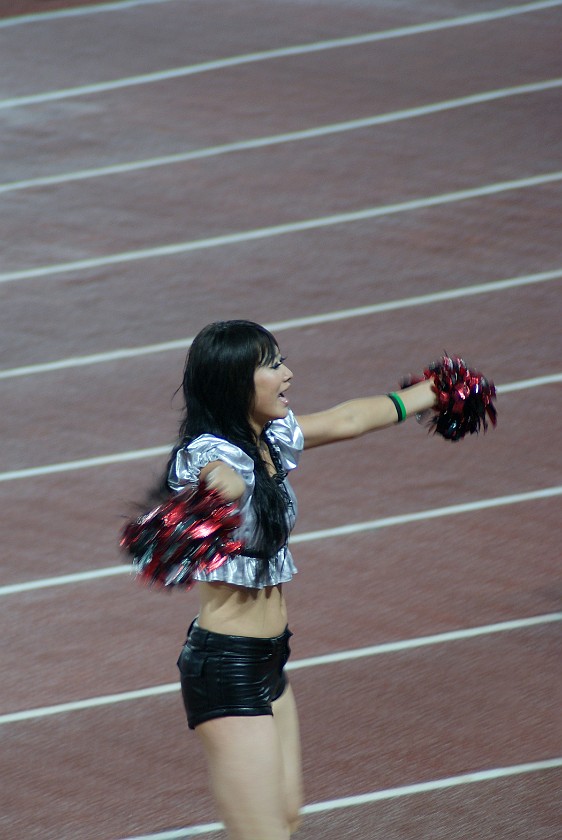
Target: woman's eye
pixel 279 363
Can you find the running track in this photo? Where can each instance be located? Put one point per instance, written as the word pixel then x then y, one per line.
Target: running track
pixel 377 182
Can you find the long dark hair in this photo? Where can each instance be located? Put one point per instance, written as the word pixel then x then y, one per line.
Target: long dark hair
pixel 218 390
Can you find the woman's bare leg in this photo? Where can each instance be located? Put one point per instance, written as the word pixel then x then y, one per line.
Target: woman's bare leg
pixel 287 723
pixel 247 773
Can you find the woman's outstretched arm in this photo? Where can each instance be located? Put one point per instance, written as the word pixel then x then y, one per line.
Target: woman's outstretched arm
pixel 357 417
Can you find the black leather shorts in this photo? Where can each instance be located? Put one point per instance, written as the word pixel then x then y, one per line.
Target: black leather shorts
pixel 231 675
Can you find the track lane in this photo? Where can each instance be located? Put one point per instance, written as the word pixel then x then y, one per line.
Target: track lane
pixel 119 392
pixel 379 260
pixel 299 89
pixel 446 585
pixel 416 735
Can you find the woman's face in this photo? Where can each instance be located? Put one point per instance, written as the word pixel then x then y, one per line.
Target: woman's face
pixel 271 382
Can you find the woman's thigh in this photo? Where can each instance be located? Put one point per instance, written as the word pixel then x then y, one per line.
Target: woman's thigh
pixel 247 774
pixel 287 722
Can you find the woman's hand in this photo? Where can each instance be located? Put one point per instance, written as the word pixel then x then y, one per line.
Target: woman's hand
pixel 220 477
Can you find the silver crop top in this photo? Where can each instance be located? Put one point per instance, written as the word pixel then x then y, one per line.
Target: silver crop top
pixel 287 438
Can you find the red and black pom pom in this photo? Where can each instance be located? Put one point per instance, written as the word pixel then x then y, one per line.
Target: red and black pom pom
pixel 464 398
pixel 190 531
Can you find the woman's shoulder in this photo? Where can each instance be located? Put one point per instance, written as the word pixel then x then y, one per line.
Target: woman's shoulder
pixel 287 435
pixel 192 456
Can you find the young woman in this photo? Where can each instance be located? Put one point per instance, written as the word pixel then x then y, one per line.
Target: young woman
pixel 240 438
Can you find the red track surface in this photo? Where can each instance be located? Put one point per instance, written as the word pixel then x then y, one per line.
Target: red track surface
pixel 428 713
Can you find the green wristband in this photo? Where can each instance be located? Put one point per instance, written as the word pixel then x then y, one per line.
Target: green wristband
pixel 399 406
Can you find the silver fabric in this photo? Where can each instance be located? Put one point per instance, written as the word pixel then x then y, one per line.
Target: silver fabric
pixel 287 438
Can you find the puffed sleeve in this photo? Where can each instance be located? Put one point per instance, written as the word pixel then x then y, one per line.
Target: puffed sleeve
pixel 287 435
pixel 191 459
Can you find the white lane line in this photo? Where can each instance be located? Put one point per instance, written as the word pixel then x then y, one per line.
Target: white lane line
pixel 473 777
pixel 79 11
pixel 424 641
pixel 310 662
pixel 159 451
pixel 326 533
pixel 280 230
pixel 177 834
pixel 436 784
pixel 86 463
pixel 64 580
pixel 421 516
pixel 268 55
pixel 278 139
pixel 296 323
pixel 537 382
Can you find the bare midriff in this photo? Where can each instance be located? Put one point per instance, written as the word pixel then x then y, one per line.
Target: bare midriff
pixel 238 611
